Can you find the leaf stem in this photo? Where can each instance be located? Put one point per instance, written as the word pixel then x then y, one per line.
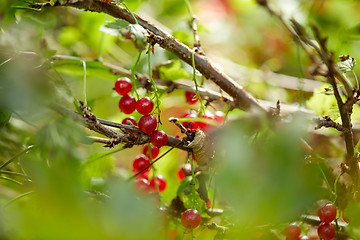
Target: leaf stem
pixel 192 177
pixel 85 97
pixel 127 8
pixel 16 156
pixel 134 75
pixel 202 106
pixel 152 80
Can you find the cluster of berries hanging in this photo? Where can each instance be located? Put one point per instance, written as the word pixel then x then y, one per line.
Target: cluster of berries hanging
pixel 326 230
pixel 190 218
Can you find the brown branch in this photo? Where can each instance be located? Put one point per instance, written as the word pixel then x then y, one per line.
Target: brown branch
pixel 242 99
pixel 326 121
pixel 197 44
pixel 185 84
pixel 115 137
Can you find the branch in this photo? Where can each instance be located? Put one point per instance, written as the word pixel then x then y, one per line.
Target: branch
pixel 242 99
pixel 211 95
pixel 116 137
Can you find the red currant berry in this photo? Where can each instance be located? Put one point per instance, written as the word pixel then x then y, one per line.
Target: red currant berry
pixel 123 86
pixel 206 126
pixel 154 151
pixel 130 119
pixel 144 174
pixel 190 219
pixel 190 124
pixel 219 116
pixel 191 97
pixel 161 183
pixel 144 105
pixel 208 203
pixel 185 169
pixel 147 123
pixel 326 231
pixel 140 162
pixel 127 104
pixel 142 186
pixel 159 138
pixel 327 213
pixel 292 231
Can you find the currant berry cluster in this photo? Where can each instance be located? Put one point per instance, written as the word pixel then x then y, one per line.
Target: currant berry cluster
pixel 144 106
pixel 327 214
pixel 140 163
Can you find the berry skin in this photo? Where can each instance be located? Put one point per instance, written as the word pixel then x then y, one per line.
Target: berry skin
pixel 142 186
pixel 326 231
pixel 131 119
pixel 147 123
pixel 140 162
pixel 190 124
pixel 191 97
pixel 161 182
pixel 123 86
pixel 144 105
pixel 208 203
pixel 143 175
pixel 190 219
pixel 154 151
pixel 185 168
pixel 327 213
pixel 292 231
pixel 159 138
pixel 127 104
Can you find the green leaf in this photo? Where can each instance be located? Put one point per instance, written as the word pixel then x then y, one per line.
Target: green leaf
pixel 324 104
pixel 4 117
pixel 189 199
pixel 347 64
pixel 172 71
pixel 115 28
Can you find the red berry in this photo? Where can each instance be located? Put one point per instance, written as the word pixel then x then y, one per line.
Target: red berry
pixel 143 175
pixel 127 104
pixel 123 86
pixel 191 97
pixel 190 219
pixel 208 203
pixel 147 123
pixel 140 162
pixel 190 124
pixel 154 151
pixel 130 119
pixel 159 138
pixel 142 186
pixel 292 231
pixel 219 116
pixel 185 168
pixel 326 231
pixel 161 183
pixel 327 213
pixel 206 126
pixel 144 105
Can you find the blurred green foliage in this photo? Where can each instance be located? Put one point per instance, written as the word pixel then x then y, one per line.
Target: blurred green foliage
pixel 60 185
